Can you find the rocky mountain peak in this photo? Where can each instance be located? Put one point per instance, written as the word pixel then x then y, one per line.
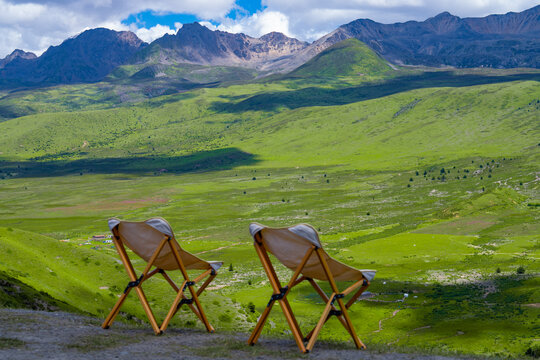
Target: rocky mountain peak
pixel 17 54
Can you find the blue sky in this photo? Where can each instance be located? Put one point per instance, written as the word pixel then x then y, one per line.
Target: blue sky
pixel 150 18
pixel 34 25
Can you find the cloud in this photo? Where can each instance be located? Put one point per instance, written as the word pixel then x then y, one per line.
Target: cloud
pixel 309 19
pixel 37 24
pixel 154 32
pixel 34 25
pixel 258 24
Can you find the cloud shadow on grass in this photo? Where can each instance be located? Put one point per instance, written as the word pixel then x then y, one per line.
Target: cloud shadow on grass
pixel 220 159
pixel 316 96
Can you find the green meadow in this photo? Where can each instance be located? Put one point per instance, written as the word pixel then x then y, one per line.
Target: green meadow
pixel 430 177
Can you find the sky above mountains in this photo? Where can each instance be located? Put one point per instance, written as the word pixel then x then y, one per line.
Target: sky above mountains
pixel 34 25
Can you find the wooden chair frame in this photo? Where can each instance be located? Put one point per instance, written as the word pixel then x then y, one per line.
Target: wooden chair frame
pixel 280 295
pixel 180 299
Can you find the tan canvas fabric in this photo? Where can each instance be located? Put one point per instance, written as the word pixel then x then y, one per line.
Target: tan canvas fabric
pixel 289 246
pixel 144 237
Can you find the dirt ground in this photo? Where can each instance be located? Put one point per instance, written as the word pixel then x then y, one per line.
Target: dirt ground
pixel 27 334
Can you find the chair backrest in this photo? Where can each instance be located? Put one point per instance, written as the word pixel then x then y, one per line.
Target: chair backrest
pixel 144 237
pixel 290 245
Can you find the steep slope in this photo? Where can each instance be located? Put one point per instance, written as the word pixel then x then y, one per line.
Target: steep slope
pixel 347 58
pixel 88 57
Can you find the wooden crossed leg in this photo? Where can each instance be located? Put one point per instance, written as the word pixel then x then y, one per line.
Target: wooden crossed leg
pixel 181 299
pixel 280 295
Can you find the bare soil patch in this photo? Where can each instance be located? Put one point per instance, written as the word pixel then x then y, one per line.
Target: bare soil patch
pixel 27 334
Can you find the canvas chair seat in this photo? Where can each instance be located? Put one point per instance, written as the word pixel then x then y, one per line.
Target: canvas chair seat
pixel 289 245
pixel 153 240
pixel 299 248
pixel 144 237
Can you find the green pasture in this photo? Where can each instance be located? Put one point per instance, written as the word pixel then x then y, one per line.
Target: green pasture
pixel 429 177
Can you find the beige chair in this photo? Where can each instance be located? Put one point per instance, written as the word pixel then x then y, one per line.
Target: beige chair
pixel 153 240
pixel 298 248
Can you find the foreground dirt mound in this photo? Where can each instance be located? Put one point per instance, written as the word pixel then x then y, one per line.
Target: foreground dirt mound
pixel 27 334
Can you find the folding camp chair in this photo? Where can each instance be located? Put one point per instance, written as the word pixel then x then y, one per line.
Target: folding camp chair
pixel 153 240
pixel 298 248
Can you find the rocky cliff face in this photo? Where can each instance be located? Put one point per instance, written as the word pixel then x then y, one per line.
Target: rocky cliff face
pixel 87 57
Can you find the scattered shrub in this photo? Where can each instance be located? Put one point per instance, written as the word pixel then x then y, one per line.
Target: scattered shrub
pixel 231 267
pixel 520 270
pixel 533 351
pixel 225 318
pixel 498 271
pixel 251 307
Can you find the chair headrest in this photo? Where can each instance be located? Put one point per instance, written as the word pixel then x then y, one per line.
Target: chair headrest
pixel 305 231
pixel 159 224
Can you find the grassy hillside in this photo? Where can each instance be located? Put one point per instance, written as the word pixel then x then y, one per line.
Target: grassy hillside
pixel 350 57
pixel 125 85
pixel 444 124
pixel 432 179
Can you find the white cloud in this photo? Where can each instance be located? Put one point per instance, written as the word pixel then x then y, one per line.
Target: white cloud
pixel 154 32
pixel 308 19
pixel 209 25
pixel 34 25
pixel 258 24
pixel 15 13
pixel 37 24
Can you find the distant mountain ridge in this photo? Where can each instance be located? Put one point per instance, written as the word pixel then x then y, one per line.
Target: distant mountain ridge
pixel 17 54
pixel 194 43
pixel 498 41
pixel 88 57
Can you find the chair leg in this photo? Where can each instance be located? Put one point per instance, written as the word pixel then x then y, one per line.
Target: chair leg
pixel 286 302
pixel 115 310
pixel 195 298
pixel 285 307
pixel 343 308
pixel 325 298
pixel 320 324
pixel 174 307
pixel 260 324
pixel 148 310
pixel 359 344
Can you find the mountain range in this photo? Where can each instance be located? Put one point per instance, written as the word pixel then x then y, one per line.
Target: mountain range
pixel 496 41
